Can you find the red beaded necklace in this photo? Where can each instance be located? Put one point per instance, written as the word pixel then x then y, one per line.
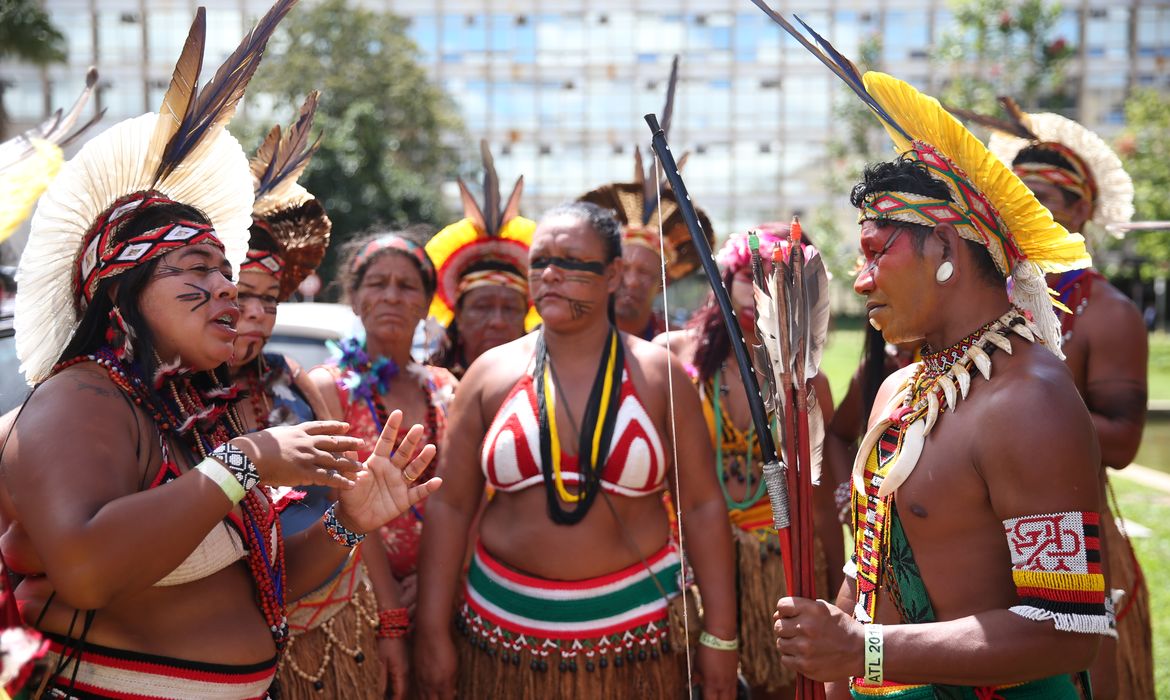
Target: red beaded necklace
pixel 205 419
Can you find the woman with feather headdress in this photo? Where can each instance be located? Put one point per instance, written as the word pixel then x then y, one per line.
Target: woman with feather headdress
pixel 481 274
pixel 138 511
pixel 389 281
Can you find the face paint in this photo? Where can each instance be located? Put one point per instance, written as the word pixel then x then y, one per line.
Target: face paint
pixel 593 267
pixel 201 295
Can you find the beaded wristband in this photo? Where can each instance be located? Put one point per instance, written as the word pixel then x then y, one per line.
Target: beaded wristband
pixel 238 464
pixel 224 479
pixel 340 533
pixel 392 624
pixel 874 654
pixel 712 642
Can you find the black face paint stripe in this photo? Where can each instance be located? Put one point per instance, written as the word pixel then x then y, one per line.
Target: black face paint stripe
pixel 591 266
pixel 201 295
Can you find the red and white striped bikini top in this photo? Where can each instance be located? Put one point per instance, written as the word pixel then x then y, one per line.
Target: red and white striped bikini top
pixel 510 455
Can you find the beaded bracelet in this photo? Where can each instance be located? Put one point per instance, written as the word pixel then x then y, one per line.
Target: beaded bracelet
pixel 392 624
pixel 340 533
pixel 238 464
pixel 712 642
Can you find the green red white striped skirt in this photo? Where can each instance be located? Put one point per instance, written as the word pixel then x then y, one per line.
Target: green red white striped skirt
pixel 602 628
pixel 101 673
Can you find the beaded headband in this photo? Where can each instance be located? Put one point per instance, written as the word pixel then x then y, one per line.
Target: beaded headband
pixel 645 237
pixel 105 256
pixel 392 241
pixel 264 261
pixel 492 278
pixel 969 211
pixel 1079 180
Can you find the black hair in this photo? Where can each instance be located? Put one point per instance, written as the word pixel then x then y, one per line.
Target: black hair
pixel 714 344
pixel 351 278
pixel 259 238
pixel 907 174
pixel 604 223
pixel 124 291
pixel 1039 154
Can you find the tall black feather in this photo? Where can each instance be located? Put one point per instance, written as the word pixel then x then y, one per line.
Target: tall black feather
pixel 216 104
pixel 491 191
pixel 285 158
pixel 649 182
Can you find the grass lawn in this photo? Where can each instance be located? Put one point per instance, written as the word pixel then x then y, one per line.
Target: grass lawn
pixel 1151 508
pixel 1160 366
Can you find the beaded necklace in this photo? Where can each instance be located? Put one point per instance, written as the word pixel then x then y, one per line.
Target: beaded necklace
pixel 205 419
pixel 890 450
pixel 748 461
pixel 368 380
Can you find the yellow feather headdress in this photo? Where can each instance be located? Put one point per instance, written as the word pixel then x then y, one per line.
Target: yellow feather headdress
pixel 487 232
pixel 1000 211
pixel 30 161
pixel 184 154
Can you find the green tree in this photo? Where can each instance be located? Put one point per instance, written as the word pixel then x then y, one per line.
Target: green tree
pixel 1004 47
pixel 27 34
pixel 388 130
pixel 1144 148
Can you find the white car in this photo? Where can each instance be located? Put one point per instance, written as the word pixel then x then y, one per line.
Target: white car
pixel 303 327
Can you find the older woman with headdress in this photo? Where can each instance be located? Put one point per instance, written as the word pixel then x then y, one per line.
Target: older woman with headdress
pixel 706 348
pixel 389 281
pixel 575 572
pixel 135 506
pixel 481 262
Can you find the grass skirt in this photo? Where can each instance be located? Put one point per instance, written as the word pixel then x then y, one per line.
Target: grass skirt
pixel 1135 663
pixel 333 652
pixel 760 583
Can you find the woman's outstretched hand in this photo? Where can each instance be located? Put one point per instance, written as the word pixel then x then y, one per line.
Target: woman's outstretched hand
pixel 387 486
pixel 309 453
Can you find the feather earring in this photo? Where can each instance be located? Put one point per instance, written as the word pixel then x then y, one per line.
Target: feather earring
pixel 120 336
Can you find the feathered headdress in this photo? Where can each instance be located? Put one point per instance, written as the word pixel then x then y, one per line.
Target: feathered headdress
pixel 636 204
pixel 487 247
pixel 292 218
pixel 989 203
pixel 1097 173
pixel 30 161
pixel 183 154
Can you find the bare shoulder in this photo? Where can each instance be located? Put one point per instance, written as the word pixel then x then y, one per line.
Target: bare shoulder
pixel 1033 438
pixel 76 420
pixel 493 374
pixel 651 360
pixel 680 342
pixel 1112 316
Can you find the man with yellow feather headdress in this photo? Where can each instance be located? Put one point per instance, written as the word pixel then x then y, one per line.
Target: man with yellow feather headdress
pixel 977 568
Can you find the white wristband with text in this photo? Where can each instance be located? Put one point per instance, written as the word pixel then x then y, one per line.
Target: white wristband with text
pixel 874 654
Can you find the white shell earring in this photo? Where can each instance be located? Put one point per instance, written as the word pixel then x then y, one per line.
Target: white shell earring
pixel 944 272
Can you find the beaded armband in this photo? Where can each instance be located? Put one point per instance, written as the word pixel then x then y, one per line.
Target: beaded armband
pixel 238 464
pixel 1056 566
pixel 340 533
pixel 392 623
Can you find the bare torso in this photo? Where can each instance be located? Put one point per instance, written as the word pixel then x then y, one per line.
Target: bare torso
pixel 516 527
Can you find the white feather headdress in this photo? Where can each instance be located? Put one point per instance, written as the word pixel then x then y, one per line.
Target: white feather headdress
pixel 184 152
pixel 1114 204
